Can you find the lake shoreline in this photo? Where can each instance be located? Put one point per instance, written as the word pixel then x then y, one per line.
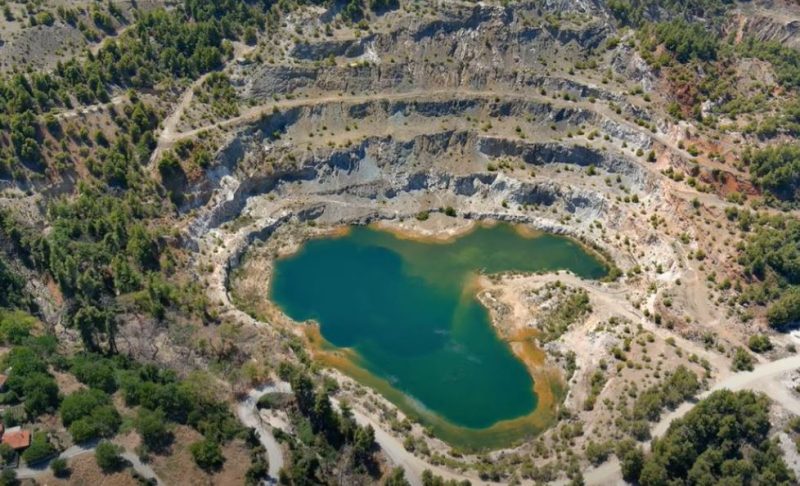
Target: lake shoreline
pixel 548 386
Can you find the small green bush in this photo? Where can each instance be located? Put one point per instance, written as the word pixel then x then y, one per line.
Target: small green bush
pixel 40 449
pixel 742 361
pixel 759 343
pixel 108 456
pixel 207 455
pixel 60 468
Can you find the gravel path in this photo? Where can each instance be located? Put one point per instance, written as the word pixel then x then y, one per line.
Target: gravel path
pixel 412 465
pixel 249 416
pixel 31 472
pixel 762 378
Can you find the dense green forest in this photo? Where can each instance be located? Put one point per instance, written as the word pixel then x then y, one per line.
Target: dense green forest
pixel 770 256
pixel 722 440
pixel 686 40
pixel 103 242
pixel 163 46
pixel 160 399
pixel 776 169
pixel 637 12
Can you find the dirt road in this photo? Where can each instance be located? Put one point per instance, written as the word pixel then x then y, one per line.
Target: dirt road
pixel 249 416
pixel 762 378
pixel 412 465
pixel 32 472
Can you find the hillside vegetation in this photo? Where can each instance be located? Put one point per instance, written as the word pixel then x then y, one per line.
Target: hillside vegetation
pixel 158 158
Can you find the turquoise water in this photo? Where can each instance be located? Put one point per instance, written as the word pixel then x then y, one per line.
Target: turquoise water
pixel 406 309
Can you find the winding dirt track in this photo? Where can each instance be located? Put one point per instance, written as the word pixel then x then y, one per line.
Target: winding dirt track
pixel 170 125
pixel 252 114
pixel 250 417
pixel 412 465
pixel 169 134
pixel 762 378
pixel 144 470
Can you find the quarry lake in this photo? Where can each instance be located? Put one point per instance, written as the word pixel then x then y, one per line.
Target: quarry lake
pixel 406 313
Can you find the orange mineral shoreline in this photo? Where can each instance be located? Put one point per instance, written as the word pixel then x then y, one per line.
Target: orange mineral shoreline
pixel 548 387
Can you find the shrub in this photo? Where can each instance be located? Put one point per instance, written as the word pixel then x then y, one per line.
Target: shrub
pixel 8 478
pixel 153 429
pixel 759 343
pixel 776 169
pixel 94 372
pixel 170 167
pixel 785 60
pixel 108 456
pixel 44 18
pixel 7 453
pixel 785 311
pixel 275 400
pixel 59 467
pixel 772 252
pixel 258 471
pixel 207 455
pixel 82 430
pixel 687 40
pixel 29 377
pixel 558 320
pixel 102 422
pixel 396 477
pixel 639 429
pixel 81 404
pixel 680 385
pixel 704 448
pixel 598 452
pixel 631 465
pixel 250 36
pixel 16 326
pixel 89 414
pixel 40 449
pixel 742 361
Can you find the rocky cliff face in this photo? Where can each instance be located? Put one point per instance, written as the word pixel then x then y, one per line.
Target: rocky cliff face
pixel 415 93
pixel 388 168
pixel 464 47
pixel 767 20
